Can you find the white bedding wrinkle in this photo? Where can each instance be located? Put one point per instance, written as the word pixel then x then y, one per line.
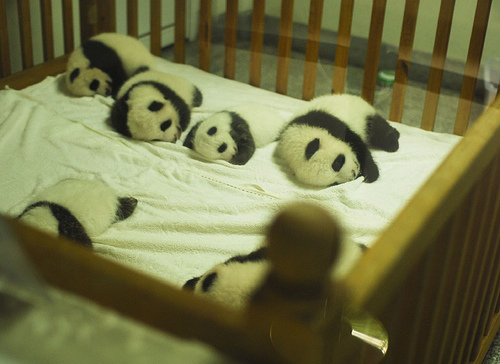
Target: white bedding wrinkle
pixel 191 213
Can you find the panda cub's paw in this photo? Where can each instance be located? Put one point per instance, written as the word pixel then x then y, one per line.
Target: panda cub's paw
pixel 77 210
pixel 381 134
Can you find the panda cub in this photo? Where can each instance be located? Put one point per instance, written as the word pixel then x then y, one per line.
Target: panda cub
pixel 233 282
pixel 327 143
pixel 234 134
pixel 154 106
pixel 77 210
pixel 104 62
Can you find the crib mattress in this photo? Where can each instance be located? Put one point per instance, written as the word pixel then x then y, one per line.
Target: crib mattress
pixel 191 213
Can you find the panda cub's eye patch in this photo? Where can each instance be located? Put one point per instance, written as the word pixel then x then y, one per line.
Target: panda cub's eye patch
pixel 155 106
pixel 222 148
pixel 94 85
pixel 165 125
pixel 312 148
pixel 212 130
pixel 74 74
pixel 338 163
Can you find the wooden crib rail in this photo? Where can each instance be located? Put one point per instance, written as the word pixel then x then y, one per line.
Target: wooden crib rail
pixel 285 323
pixel 435 285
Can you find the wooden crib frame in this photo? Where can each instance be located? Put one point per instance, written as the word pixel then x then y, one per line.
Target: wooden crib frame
pixel 432 278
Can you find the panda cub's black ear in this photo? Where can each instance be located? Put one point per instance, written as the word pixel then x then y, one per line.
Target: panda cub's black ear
pixel 312 148
pixel 74 74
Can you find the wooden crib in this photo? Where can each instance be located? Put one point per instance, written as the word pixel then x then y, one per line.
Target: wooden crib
pixel 432 278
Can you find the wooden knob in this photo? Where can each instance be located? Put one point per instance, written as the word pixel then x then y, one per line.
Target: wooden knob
pixel 303 243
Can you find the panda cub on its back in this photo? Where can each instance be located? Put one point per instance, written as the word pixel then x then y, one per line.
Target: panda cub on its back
pixel 104 62
pixel 234 134
pixel 154 106
pixel 327 143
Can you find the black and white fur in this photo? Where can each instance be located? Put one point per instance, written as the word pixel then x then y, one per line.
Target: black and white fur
pixel 233 282
pixel 234 134
pixel 327 143
pixel 104 62
pixel 154 106
pixel 77 209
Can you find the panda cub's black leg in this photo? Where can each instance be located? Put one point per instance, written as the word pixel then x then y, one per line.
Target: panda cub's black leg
pixel 381 134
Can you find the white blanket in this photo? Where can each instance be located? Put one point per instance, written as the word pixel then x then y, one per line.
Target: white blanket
pixel 191 213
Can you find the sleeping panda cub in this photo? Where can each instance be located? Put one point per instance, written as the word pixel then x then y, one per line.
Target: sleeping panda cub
pixel 327 143
pixel 77 210
pixel 234 134
pixel 233 282
pixel 154 106
pixel 104 62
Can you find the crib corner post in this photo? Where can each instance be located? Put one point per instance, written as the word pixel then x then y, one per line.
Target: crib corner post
pixel 303 243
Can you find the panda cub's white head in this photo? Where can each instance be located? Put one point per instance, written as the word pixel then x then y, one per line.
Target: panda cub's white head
pixel 154 106
pixel 317 158
pixel 212 137
pixel 83 80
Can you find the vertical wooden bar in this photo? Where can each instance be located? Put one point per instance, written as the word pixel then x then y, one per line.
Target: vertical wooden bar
pixel 440 319
pixel 180 31
pixel 205 34
pixel 312 49
pixel 472 65
pixel 373 51
pixel 491 275
pixel 343 44
pixel 404 57
pixel 23 8
pixel 470 288
pixel 88 19
pixel 68 28
pixel 155 18
pixel 284 46
pixel 5 69
pixel 437 64
pixel 47 31
pixel 106 16
pixel 132 18
pixel 259 7
pixel 230 39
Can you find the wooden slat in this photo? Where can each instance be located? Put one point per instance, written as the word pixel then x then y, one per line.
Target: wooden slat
pixel 68 28
pixel 437 64
pixel 106 16
pixel 5 69
pixel 446 298
pixel 132 18
pixel 472 65
pixel 491 275
pixel 47 31
pixel 404 58
pixel 155 17
pixel 373 50
pixel 257 41
pixel 88 19
pixel 343 44
pixel 471 287
pixel 230 38
pixel 205 34
pixel 23 8
pixel 312 49
pixel 180 31
pixel 284 46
